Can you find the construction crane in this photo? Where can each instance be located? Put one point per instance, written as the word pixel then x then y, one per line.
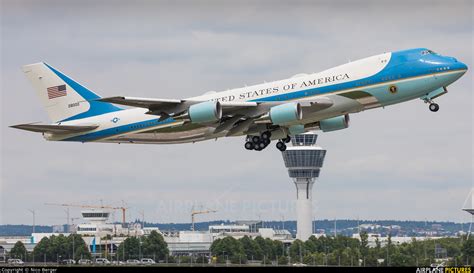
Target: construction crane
pixel 72 224
pixel 194 212
pixel 123 208
pixel 74 218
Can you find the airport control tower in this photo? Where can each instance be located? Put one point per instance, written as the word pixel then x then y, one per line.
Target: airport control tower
pixel 470 209
pixel 304 161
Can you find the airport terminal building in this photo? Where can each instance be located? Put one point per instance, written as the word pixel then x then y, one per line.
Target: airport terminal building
pixel 96 229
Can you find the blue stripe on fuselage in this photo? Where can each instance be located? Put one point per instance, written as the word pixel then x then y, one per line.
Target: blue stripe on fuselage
pixel 119 130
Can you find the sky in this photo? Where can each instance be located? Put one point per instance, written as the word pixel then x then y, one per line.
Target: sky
pixel 401 162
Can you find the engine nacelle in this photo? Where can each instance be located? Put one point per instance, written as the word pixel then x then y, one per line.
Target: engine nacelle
pixel 285 113
pixel 203 112
pixel 335 123
pixel 296 129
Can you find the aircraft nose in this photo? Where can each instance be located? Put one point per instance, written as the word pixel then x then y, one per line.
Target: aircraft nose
pixel 462 65
pixel 457 64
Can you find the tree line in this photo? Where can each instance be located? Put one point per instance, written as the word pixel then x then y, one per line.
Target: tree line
pixel 345 251
pixel 57 248
pixel 332 251
pixel 53 249
pixel 151 246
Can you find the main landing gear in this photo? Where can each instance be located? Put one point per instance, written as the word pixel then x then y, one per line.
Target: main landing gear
pixel 281 146
pixel 259 143
pixel 281 143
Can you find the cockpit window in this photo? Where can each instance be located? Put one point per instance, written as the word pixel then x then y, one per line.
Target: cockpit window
pixel 426 52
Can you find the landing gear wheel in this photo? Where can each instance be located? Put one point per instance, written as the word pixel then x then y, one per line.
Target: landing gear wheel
pixel 249 145
pixel 255 139
pixel 281 146
pixel 434 107
pixel 261 145
pixel 257 148
pixel 266 135
pixel 287 139
pixel 266 141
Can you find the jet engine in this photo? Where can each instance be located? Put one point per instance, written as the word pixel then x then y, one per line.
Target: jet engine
pixel 282 114
pixel 335 123
pixel 203 112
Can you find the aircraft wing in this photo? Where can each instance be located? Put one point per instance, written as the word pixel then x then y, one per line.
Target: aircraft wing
pixel 157 103
pixel 175 106
pixel 55 129
pixel 143 102
pixel 236 116
pixel 170 107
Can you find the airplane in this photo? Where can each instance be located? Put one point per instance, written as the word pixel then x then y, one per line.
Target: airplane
pixel 269 111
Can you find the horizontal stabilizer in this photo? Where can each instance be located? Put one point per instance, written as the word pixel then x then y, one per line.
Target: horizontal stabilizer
pixel 55 129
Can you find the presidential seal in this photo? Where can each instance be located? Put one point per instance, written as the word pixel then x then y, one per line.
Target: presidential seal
pixel 393 89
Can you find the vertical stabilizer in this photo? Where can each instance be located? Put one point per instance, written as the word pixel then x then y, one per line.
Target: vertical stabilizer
pixel 63 98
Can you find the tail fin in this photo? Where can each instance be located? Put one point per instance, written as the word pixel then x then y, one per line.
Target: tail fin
pixel 63 98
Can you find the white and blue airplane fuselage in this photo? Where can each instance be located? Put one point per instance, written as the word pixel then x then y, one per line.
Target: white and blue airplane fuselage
pixel 263 112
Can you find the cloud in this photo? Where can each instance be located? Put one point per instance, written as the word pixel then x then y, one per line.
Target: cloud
pixel 391 163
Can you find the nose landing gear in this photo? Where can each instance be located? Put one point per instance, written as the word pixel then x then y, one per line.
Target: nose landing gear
pixel 434 107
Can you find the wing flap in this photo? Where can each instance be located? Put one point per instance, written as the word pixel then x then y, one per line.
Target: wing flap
pixel 55 129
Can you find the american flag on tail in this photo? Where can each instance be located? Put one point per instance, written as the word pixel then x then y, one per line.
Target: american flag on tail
pixel 56 91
